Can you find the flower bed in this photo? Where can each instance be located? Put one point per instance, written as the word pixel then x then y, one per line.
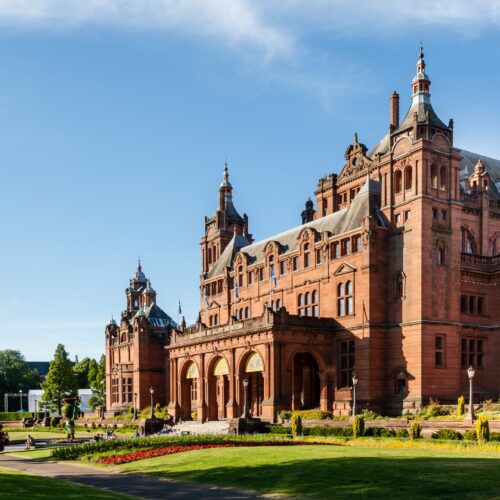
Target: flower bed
pixel 170 450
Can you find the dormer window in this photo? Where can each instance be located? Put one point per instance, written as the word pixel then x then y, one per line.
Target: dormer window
pixel 307 255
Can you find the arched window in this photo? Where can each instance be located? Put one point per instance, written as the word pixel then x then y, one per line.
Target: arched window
pixel 314 304
pixel 216 319
pixel 440 253
pixel 400 285
pixel 307 255
pixel 434 176
pixel 278 304
pixel 493 246
pixel 300 303
pixel 247 312
pixel 209 255
pixel 271 264
pixel 349 298
pixel 340 299
pixel 211 320
pixel 240 276
pixel 398 181
pixel 408 177
pixel 467 244
pixel 443 178
pixel 308 304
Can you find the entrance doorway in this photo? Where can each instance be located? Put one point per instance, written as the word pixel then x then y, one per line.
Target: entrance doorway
pixel 218 390
pixel 190 388
pixel 305 382
pixel 253 373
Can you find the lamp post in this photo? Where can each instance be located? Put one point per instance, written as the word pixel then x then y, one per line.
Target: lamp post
pixel 354 384
pixel 20 399
pixel 245 405
pixel 135 405
pixel 152 391
pixel 471 372
pixel 36 407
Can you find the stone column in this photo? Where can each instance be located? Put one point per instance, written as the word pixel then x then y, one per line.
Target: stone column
pixel 232 405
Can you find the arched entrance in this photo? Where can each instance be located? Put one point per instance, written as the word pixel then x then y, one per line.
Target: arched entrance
pixel 190 391
pixel 218 390
pixel 253 373
pixel 305 382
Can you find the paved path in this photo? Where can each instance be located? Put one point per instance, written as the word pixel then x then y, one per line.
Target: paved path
pixel 130 484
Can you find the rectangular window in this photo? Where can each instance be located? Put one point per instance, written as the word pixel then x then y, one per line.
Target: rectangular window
pixel 472 353
pixel 398 219
pixel 407 215
pixel 335 250
pixel 356 243
pixel 480 305
pixel 346 362
pixel 463 303
pixel 250 278
pixel 346 247
pixel 295 263
pixel 261 274
pixel 472 305
pixel 435 214
pixel 319 256
pixel 439 352
pixel 282 267
pixel 443 215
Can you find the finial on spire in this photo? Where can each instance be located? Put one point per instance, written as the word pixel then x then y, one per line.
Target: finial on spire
pixel 355 137
pixel 138 263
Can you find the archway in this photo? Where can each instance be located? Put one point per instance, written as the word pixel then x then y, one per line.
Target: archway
pixel 305 382
pixel 218 389
pixel 252 370
pixel 190 390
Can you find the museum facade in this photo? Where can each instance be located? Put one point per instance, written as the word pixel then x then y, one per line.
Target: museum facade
pixel 393 274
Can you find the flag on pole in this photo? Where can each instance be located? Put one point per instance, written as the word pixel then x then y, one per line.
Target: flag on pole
pixel 236 296
pixel 180 308
pixel 274 280
pixel 205 297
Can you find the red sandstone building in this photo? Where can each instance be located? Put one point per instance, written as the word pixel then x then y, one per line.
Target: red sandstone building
pixel 395 274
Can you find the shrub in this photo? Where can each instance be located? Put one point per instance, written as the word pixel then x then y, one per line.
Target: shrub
pixel 460 405
pixel 275 429
pixel 194 415
pixel 415 430
pixel 370 415
pixel 447 434
pixel 358 426
pixel 327 431
pixel 402 433
pixel 55 421
pixel 285 415
pixel 470 435
pixel 315 414
pixel 6 416
pixel 379 432
pixel 494 436
pixel 296 424
pixel 482 429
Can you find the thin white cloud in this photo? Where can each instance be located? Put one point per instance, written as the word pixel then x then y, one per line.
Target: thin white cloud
pixel 233 22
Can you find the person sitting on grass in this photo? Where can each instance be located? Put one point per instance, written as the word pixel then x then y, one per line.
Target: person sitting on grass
pixel 30 442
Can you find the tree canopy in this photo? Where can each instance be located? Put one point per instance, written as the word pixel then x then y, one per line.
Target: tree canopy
pixel 81 370
pixel 15 375
pixel 61 380
pixel 97 377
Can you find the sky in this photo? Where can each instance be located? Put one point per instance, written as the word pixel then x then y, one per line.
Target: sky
pixel 116 118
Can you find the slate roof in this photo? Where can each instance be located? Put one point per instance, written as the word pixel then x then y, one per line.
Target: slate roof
pixel 366 202
pixel 156 316
pixel 422 108
pixel 491 165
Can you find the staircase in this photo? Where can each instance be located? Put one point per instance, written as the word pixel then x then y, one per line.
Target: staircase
pixel 192 427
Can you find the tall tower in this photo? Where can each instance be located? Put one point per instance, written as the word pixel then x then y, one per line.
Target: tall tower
pixel 221 227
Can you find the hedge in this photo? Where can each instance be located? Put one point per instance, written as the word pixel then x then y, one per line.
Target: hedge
pixel 9 416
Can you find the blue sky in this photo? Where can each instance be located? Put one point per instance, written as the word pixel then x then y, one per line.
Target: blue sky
pixel 116 116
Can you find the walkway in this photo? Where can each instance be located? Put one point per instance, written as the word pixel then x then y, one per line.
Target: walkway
pixel 136 485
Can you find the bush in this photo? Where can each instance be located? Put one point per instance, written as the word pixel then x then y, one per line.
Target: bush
pixel 415 430
pixel 194 415
pixel 296 424
pixel 460 405
pixel 379 432
pixel 55 421
pixel 494 436
pixel 6 416
pixel 327 431
pixel 285 415
pixel 482 429
pixel 432 410
pixel 315 414
pixel 370 415
pixel 470 435
pixel 402 433
pixel 358 426
pixel 275 429
pixel 447 434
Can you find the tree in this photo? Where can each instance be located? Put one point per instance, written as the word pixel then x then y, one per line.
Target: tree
pixel 16 374
pixel 97 379
pixel 81 370
pixel 60 382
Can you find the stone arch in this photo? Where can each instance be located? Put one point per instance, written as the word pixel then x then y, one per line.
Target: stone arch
pixel 190 388
pixel 218 375
pixel 251 368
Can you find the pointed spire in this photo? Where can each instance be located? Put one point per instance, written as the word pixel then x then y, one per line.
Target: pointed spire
pixel 421 82
pixel 139 276
pixel 225 176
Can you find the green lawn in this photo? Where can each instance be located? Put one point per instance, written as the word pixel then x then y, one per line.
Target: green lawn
pixel 15 485
pixel 335 471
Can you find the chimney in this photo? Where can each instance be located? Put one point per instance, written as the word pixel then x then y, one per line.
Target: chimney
pixel 394 110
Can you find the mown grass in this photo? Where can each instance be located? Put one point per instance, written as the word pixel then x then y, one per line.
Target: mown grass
pixel 15 485
pixel 335 472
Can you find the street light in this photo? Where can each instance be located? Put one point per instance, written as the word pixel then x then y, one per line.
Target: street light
pixel 354 383
pixel 20 399
pixel 245 406
pixel 36 407
pixel 471 372
pixel 152 391
pixel 135 405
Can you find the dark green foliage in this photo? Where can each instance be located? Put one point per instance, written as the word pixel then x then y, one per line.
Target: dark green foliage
pixel 296 424
pixel 55 421
pixel 315 414
pixel 461 405
pixel 328 431
pixel 97 374
pixel 379 432
pixel 447 434
pixel 358 426
pixel 432 410
pixel 275 429
pixel 402 433
pixel 6 416
pixel 81 370
pixel 285 415
pixel 15 374
pixel 415 430
pixel 482 429
pixel 60 381
pixel 470 435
